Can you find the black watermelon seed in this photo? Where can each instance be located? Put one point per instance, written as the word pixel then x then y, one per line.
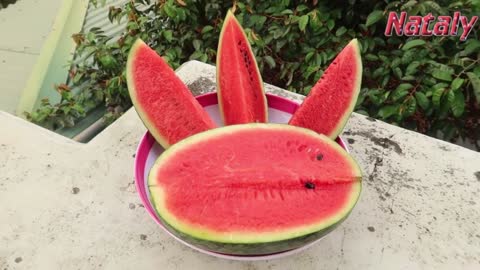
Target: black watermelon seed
pixel 310 185
pixel 319 157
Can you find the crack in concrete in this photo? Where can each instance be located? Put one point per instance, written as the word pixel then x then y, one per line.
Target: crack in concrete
pixel 378 162
pixel 17 51
pixel 128 187
pixel 341 249
pixel 387 143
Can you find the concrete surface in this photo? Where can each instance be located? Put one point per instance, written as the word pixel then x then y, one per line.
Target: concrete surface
pixel 65 205
pixel 24 27
pixel 52 65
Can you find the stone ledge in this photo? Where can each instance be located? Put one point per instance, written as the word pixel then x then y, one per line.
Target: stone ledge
pixel 74 206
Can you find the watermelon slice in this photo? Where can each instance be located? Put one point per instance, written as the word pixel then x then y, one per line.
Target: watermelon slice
pixel 241 96
pixel 329 104
pixel 166 106
pixel 254 188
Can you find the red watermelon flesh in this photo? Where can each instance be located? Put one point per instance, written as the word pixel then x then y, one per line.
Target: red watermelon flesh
pixel 240 89
pixel 164 103
pixel 254 183
pixel 330 102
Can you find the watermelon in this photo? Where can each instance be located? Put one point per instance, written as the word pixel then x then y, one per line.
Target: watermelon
pixel 166 106
pixel 241 96
pixel 330 102
pixel 253 189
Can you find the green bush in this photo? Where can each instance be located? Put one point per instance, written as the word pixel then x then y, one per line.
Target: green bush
pixel 5 3
pixel 428 84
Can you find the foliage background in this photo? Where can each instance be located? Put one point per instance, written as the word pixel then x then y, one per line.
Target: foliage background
pixel 427 84
pixel 5 3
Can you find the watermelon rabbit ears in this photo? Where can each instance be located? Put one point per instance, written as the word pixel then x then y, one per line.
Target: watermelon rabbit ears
pixel 332 99
pixel 164 103
pixel 241 94
pixel 171 113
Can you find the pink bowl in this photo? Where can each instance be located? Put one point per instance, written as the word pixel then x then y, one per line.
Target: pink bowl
pixel 280 111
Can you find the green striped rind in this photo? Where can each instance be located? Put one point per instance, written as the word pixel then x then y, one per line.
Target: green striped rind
pixel 251 248
pixel 133 94
pixel 357 85
pixel 241 242
pixel 230 18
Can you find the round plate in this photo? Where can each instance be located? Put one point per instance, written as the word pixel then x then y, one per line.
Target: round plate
pixel 280 111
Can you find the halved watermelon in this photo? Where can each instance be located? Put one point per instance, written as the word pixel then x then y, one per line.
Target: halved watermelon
pixel 241 95
pixel 329 104
pixel 254 188
pixel 166 106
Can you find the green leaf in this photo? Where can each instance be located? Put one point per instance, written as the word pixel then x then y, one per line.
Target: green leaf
pixel 269 60
pixel 363 112
pixel 302 23
pixel 475 81
pixel 197 44
pixel 272 9
pixel 203 58
pixel 374 17
pixel 378 72
pixel 330 24
pixel 301 8
pixel 458 104
pixel 444 109
pixel 450 96
pixel 256 20
pixel 412 68
pixel 437 96
pixel 361 97
pixel 440 85
pixel 409 78
pixel 442 75
pixel 207 29
pixel 168 35
pixel 371 57
pixel 309 56
pixel 384 58
pixel 385 80
pixel 169 10
pixel 404 86
pixel 324 57
pixel 388 111
pixel 422 100
pixel 408 57
pixel 457 83
pixel 456 4
pixel 413 43
pixel 434 6
pixel 310 71
pixel 340 31
pixel 410 107
pixel 398 73
pixel 472 46
pixel 409 4
pixel 449 130
pixel 197 55
pixel 457 61
pixel 395 63
pixel 401 91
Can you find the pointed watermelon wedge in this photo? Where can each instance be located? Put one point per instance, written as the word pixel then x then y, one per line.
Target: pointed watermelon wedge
pixel 241 95
pixel 166 106
pixel 329 104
